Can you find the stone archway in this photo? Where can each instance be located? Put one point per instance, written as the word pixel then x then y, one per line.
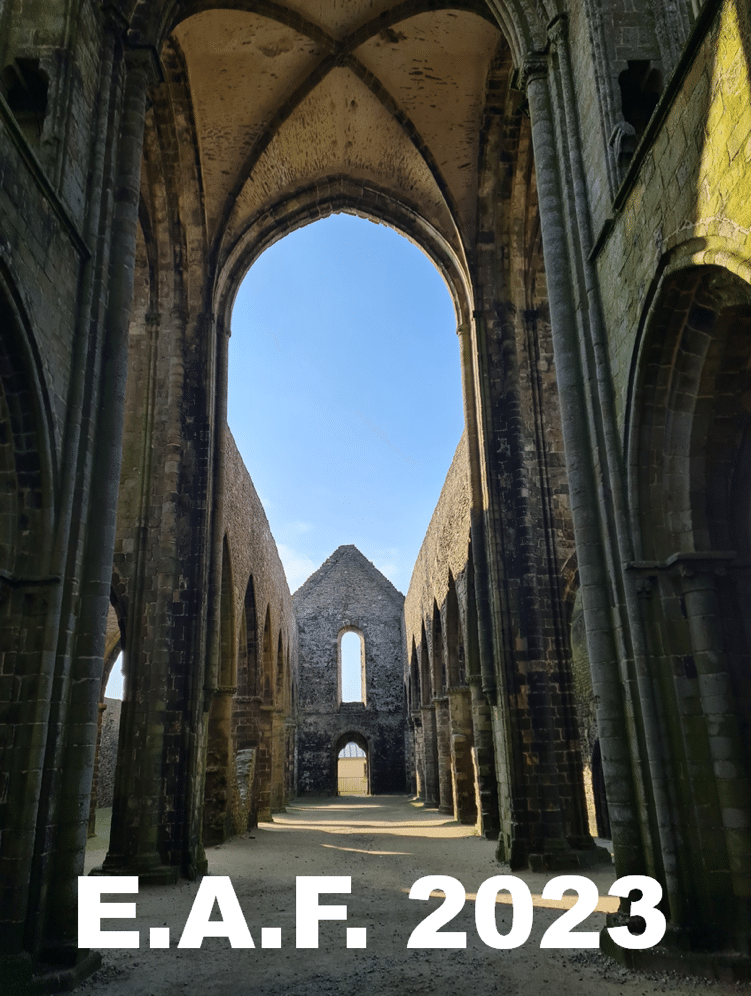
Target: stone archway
pixel 30 699
pixel 352 772
pixel 692 494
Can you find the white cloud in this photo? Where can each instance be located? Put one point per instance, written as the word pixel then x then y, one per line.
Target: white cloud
pixel 297 566
pixel 301 527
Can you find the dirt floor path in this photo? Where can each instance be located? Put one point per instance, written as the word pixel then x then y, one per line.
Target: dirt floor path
pixel 385 844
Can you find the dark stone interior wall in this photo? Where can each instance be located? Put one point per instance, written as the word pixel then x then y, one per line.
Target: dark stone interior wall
pixel 99 182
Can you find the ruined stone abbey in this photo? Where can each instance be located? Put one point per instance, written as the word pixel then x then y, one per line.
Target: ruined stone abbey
pixel 573 656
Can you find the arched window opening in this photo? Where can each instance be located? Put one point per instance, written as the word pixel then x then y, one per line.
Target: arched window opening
pixel 248 676
pixel 426 690
pixel 227 669
pixel 25 86
pixel 244 716
pixel 641 86
pixel 287 683
pixel 414 680
pixel 279 696
pixel 352 770
pixel 454 642
pixel 267 662
pixel 352 667
pixel 439 660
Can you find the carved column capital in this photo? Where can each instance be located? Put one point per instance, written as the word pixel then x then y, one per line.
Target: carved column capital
pixel 535 66
pixel 697 564
pixel 144 59
pixel 558 29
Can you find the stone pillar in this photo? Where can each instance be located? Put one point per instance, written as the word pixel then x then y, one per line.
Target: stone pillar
pixel 61 940
pixel 718 762
pixel 220 776
pixel 430 756
pixel 477 519
pixel 484 756
pixel 290 731
pixel 264 762
pixel 613 721
pixel 465 807
pixel 278 754
pixel 445 768
pixel 419 754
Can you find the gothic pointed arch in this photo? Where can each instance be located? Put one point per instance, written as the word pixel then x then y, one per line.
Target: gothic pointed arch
pixel 247 679
pixel 27 587
pixel 454 642
pixel 689 442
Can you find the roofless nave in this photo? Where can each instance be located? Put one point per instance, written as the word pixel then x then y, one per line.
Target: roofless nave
pixel 579 176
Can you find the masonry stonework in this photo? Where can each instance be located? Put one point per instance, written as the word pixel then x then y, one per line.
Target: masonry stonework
pixel 348 594
pixel 579 174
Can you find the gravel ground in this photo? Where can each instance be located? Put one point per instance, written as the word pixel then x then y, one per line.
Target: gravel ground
pixel 385 844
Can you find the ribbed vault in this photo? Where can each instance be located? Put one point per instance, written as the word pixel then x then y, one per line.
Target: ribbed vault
pixel 291 98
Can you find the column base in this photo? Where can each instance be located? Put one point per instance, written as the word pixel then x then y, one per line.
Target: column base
pixel 724 966
pixel 155 875
pixel 47 979
pixel 558 855
pixel 15 971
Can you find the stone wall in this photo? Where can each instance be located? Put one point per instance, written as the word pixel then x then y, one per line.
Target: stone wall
pixel 444 550
pixel 347 593
pixel 450 744
pixel 125 229
pixel 685 201
pixel 252 713
pixel 253 552
pixel 108 751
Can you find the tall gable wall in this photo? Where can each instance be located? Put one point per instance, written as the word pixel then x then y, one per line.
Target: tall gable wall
pixel 347 592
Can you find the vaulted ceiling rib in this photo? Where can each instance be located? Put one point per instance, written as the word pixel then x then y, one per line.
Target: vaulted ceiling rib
pixel 289 95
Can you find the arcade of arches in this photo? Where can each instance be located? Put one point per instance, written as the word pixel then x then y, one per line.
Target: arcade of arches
pixel 578 618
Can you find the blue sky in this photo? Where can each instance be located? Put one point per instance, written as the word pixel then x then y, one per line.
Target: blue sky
pixel 344 394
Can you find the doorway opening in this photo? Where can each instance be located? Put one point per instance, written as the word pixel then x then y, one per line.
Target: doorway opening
pixel 352 775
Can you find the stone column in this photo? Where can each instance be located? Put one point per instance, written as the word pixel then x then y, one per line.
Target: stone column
pixel 443 743
pixel 649 765
pixel 484 755
pixel 595 584
pixel 477 521
pixel 465 809
pixel 419 754
pixel 220 777
pixel 718 761
pixel 264 761
pixel 278 753
pixel 430 756
pixel 61 943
